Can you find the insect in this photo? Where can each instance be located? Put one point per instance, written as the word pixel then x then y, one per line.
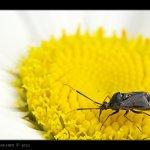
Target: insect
pixel 136 102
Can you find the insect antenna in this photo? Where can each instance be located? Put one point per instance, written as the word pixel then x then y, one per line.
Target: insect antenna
pixel 100 108
pixel 83 95
pixel 91 108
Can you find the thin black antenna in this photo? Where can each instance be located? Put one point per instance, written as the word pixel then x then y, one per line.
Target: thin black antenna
pixel 83 94
pixel 91 108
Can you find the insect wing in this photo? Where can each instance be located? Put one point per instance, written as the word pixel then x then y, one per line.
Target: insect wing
pixel 136 100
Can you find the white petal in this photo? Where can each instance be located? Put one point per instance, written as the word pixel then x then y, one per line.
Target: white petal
pixel 14 38
pixel 52 22
pixel 12 126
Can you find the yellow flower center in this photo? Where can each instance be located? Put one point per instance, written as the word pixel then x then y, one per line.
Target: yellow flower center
pixel 95 65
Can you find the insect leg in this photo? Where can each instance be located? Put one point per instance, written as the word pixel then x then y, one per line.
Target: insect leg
pixel 106 98
pixel 145 138
pixel 108 117
pixel 125 115
pixel 68 133
pixel 139 112
pixel 100 111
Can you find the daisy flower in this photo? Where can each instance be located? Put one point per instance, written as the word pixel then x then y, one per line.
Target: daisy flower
pixel 107 53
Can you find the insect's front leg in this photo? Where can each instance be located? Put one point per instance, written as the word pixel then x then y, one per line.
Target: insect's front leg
pixel 100 111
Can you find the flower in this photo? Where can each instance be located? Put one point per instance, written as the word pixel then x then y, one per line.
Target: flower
pixel 94 64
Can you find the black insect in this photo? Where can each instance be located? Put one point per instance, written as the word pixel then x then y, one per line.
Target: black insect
pixel 136 102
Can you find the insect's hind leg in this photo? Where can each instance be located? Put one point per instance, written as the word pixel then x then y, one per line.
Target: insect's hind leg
pixel 125 115
pixel 139 112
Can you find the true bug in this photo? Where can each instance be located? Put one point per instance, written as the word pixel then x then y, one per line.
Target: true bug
pixel 133 101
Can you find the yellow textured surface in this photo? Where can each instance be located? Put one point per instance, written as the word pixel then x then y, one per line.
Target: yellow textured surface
pixel 97 66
